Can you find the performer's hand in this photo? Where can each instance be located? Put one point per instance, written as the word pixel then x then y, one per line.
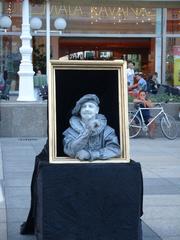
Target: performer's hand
pixel 83 155
pixel 93 125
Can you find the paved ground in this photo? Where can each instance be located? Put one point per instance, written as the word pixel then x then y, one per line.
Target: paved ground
pixel 160 163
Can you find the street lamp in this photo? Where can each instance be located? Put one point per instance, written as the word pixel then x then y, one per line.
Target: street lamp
pixel 5 23
pixel 36 24
pixel 59 24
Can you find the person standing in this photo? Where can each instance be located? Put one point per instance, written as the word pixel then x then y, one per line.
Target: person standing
pixel 130 74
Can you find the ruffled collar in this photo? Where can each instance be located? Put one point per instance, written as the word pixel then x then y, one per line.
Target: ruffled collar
pixel 79 126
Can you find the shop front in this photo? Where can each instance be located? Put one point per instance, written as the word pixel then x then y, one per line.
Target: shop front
pixel 145 33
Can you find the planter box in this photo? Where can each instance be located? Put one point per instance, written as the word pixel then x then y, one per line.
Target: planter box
pixel 22 119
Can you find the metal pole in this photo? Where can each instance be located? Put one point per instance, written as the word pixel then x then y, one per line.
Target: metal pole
pixel 164 46
pixel 158 44
pixel 48 44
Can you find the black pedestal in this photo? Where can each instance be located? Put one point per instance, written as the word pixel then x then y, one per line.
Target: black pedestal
pixel 89 201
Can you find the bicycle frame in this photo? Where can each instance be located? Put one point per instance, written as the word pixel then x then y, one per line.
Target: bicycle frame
pixel 161 111
pixel 167 123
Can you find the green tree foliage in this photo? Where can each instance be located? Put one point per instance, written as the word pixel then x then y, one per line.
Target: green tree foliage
pixel 39 58
pixel 160 97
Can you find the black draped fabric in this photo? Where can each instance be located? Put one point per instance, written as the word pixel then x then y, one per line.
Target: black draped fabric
pixel 84 201
pixel 28 227
pixel 89 201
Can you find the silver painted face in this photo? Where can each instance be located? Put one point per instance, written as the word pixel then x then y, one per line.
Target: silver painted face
pixel 88 111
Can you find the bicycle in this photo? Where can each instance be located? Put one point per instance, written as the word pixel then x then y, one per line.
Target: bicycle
pixel 137 124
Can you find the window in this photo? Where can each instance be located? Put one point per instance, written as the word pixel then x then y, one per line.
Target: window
pixel 173 61
pixel 173 20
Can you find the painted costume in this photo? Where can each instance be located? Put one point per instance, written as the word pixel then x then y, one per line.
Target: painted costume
pixel 102 143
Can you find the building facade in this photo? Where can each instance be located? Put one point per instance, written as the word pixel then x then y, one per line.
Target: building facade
pixel 149 35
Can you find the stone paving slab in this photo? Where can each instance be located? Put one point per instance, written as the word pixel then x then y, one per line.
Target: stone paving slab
pixel 18 162
pixel 3 219
pixel 13 232
pixel 17 197
pixel 174 180
pixel 14 167
pixel 161 171
pixel 172 238
pixel 1 167
pixel 147 173
pixel 168 172
pixel 161 200
pixel 148 233
pixel 2 215
pixel 161 212
pixel 2 203
pixel 165 227
pixel 17 214
pixel 20 179
pixel 160 186
pixel 3 231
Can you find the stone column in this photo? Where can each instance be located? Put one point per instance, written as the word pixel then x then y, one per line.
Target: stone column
pixel 26 85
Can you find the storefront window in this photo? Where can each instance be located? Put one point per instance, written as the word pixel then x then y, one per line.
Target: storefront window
pixel 10 59
pixel 10 43
pixel 103 19
pixel 173 20
pixel 173 61
pixel 112 20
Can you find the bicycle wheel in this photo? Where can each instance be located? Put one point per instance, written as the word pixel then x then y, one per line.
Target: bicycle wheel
pixel 134 125
pixel 169 127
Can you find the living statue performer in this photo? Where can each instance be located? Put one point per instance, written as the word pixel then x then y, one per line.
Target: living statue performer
pixel 89 137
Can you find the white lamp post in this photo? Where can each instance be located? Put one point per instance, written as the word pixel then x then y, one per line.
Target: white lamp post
pixel 26 84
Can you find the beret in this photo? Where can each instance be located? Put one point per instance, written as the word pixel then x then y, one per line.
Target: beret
pixel 86 98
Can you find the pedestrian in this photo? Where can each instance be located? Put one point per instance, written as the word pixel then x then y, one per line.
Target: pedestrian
pixel 130 73
pixel 137 87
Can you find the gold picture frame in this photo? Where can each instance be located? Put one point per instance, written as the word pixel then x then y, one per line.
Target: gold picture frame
pixel 70 80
